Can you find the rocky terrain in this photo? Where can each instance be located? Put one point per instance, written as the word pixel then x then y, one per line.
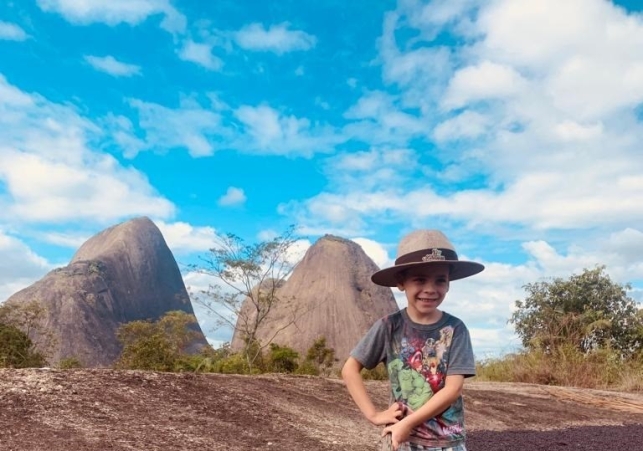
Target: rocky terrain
pixel 101 409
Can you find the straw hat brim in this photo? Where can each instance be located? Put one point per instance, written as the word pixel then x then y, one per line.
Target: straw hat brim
pixel 459 270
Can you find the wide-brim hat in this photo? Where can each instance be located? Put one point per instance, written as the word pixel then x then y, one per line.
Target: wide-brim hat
pixel 425 248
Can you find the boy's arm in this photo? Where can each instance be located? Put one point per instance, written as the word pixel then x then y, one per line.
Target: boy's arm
pixel 438 403
pixel 357 390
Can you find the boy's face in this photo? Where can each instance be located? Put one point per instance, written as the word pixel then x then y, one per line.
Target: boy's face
pixel 425 288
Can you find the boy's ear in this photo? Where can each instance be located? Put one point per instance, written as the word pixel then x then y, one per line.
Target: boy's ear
pixel 399 278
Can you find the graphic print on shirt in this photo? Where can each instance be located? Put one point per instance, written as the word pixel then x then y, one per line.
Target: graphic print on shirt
pixel 418 371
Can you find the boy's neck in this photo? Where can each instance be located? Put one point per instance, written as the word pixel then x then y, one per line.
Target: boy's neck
pixel 432 318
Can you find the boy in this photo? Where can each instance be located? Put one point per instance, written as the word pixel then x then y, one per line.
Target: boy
pixel 427 351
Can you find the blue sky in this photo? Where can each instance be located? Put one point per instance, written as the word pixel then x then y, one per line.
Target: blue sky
pixel 513 126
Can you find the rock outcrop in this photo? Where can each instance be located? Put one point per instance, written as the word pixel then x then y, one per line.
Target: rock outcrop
pixel 331 295
pixel 124 273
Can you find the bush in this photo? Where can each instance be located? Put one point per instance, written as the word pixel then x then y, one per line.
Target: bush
pixel 379 373
pixel 233 364
pixel 17 349
pixel 69 363
pixel 24 341
pixel 308 368
pixel 156 346
pixel 319 359
pixel 282 359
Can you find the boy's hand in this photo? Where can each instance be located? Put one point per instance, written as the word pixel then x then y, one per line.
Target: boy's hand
pixel 400 433
pixel 388 416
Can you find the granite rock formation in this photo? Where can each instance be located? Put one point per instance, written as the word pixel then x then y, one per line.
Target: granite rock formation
pixel 124 273
pixel 331 295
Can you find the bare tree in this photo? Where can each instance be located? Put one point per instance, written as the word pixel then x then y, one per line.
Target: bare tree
pixel 249 277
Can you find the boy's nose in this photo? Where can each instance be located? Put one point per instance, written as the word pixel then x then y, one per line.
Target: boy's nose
pixel 430 287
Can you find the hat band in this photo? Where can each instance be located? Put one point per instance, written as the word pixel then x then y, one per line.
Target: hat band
pixel 427 255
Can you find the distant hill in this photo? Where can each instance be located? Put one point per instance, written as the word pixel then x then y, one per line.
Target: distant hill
pixel 333 297
pixel 124 273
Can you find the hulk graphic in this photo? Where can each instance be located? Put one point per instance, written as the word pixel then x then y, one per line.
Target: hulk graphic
pixel 408 385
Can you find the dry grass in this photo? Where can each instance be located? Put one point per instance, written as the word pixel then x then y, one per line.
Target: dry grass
pixel 566 366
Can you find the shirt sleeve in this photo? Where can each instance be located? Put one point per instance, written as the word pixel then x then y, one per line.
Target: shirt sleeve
pixel 461 360
pixel 371 349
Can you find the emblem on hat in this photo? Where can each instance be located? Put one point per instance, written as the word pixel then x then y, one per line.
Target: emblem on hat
pixel 436 254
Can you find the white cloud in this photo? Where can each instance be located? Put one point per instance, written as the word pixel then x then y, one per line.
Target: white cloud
pixel 67 239
pixel 114 12
pixel 184 238
pixel 468 125
pixel 191 126
pixel 50 172
pixel 201 54
pixel 377 167
pixel 297 251
pixel 543 155
pixel 483 81
pixel 270 132
pixel 626 245
pixel 569 130
pixel 278 38
pixel 375 251
pixel 589 66
pixel 438 12
pixel 111 66
pixel 12 32
pixel 379 119
pixel 204 129
pixel 19 266
pixel 99 189
pixel 233 196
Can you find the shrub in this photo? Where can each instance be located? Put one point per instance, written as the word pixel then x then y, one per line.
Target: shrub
pixel 17 349
pixel 319 359
pixel 233 364
pixel 25 342
pixel 282 359
pixel 308 368
pixel 379 373
pixel 69 363
pixel 156 346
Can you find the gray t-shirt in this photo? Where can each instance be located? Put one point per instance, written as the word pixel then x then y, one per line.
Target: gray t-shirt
pixel 418 358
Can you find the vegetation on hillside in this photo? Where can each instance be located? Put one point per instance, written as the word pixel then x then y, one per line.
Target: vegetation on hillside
pixel 157 345
pixel 583 331
pixel 18 324
pixel 163 345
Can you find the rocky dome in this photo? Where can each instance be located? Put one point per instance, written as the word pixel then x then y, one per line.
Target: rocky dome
pixel 124 273
pixel 331 294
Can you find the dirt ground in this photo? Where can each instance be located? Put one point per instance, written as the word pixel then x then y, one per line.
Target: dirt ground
pixel 52 410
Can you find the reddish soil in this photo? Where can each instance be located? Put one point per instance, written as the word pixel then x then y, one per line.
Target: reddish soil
pixel 51 410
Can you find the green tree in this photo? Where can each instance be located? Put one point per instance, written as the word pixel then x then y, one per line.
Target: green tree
pixel 20 324
pixel 282 359
pixel 248 277
pixel 156 345
pixel 588 311
pixel 321 355
pixel 17 350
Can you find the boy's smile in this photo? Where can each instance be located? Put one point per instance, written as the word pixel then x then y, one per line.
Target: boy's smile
pixel 425 288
